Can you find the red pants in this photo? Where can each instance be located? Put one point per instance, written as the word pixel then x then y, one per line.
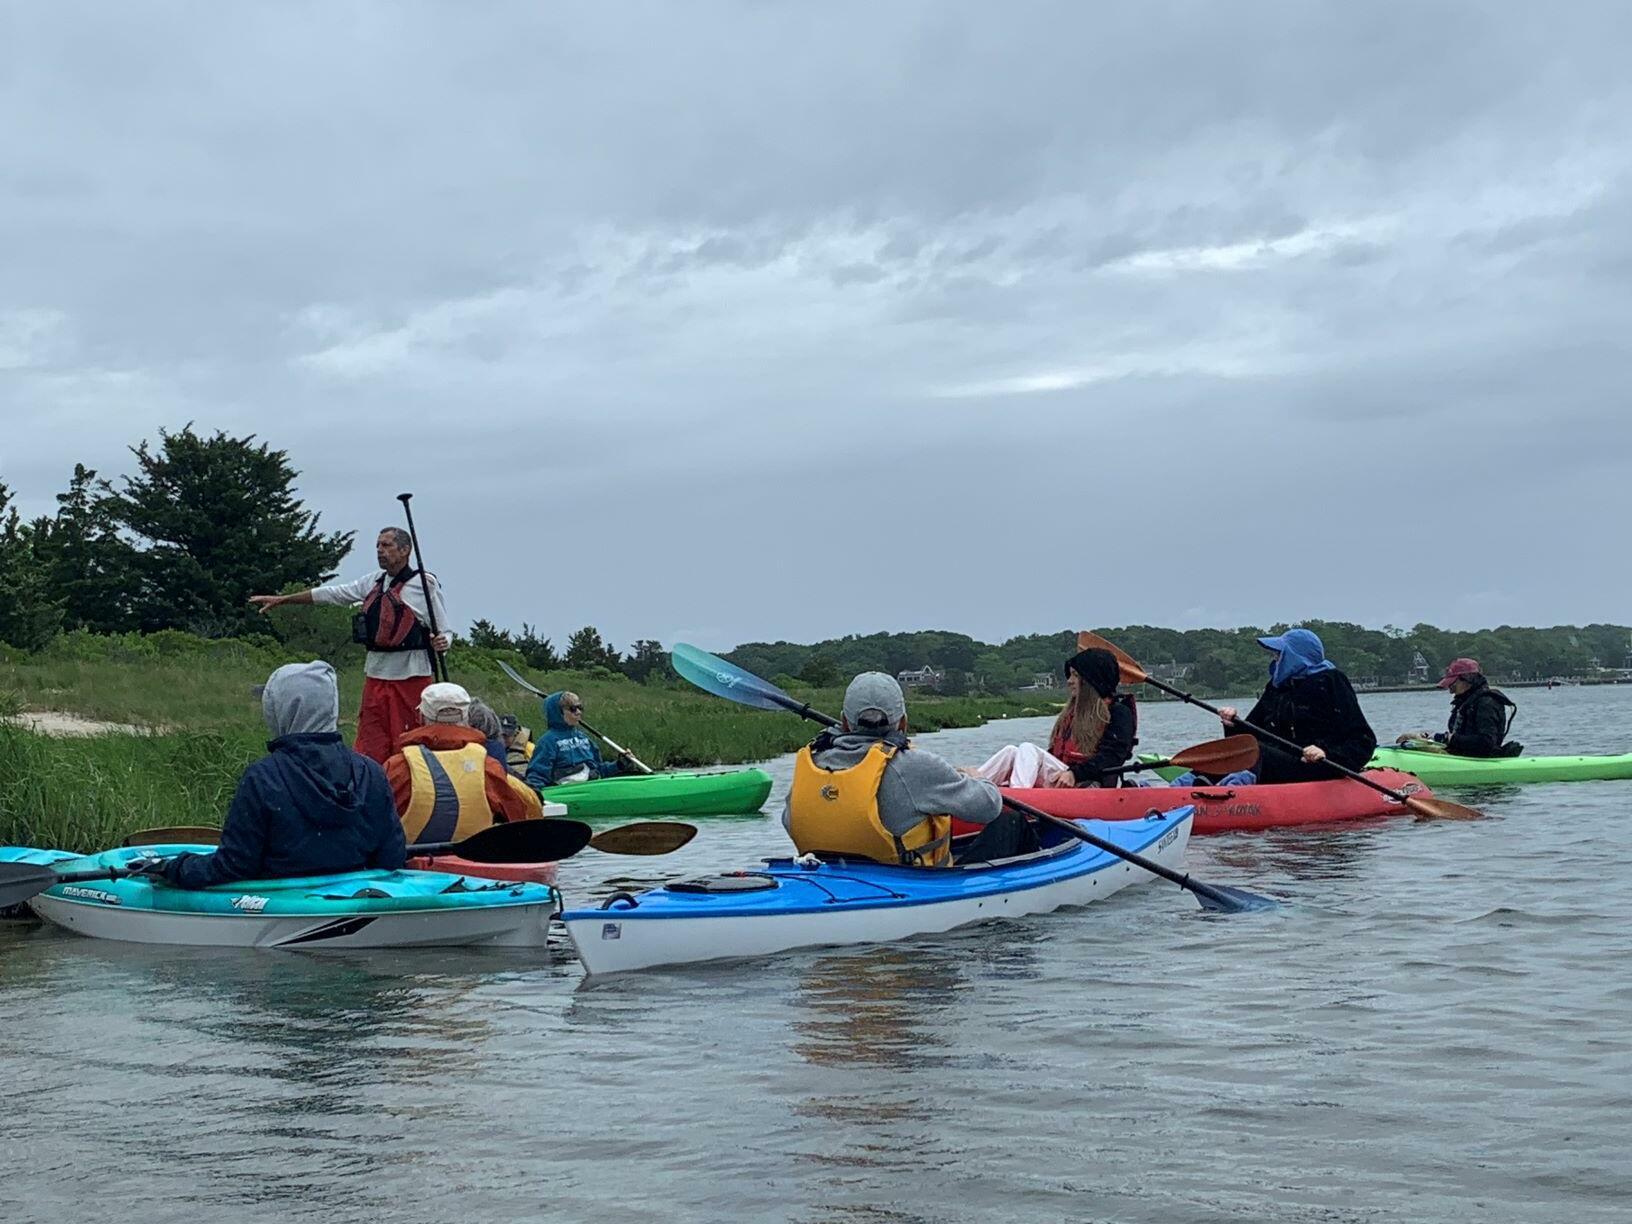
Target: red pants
pixel 390 707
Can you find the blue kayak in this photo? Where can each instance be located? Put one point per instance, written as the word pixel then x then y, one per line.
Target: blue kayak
pixel 355 909
pixel 806 902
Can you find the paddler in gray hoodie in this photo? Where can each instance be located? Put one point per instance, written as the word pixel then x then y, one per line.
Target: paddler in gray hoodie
pixel 864 791
pixel 311 806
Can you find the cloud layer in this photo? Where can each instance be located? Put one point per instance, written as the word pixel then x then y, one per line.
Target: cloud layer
pixel 745 320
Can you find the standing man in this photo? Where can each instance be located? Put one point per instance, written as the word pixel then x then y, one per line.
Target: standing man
pixel 393 624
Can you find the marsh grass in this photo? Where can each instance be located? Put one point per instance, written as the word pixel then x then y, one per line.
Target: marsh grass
pixel 87 793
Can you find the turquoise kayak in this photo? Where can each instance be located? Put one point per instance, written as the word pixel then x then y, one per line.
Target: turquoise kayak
pixel 739 792
pixel 810 902
pixel 355 909
pixel 1443 769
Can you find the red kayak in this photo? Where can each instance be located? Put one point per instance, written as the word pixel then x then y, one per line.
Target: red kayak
pixel 1231 809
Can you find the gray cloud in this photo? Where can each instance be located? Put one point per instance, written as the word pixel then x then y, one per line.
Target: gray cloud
pixel 1182 313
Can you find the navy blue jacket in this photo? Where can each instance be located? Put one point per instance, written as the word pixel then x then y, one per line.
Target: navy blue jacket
pixel 310 807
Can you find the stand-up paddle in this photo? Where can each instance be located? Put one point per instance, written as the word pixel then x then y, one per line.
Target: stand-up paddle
pixel 1132 673
pixel 714 675
pixel 1221 756
pixel 641 837
pixel 623 753
pixel 439 665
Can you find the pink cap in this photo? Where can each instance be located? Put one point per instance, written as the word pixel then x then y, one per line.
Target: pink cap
pixel 1457 670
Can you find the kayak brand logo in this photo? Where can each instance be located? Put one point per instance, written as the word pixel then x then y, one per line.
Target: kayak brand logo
pixel 611 930
pixel 249 905
pixel 91 894
pixel 1168 838
pixel 830 792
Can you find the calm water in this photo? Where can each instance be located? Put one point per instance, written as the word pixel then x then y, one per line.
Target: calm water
pixel 1435 1028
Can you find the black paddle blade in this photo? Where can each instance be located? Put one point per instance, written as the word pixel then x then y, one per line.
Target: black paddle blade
pixel 521 841
pixel 1222 899
pixel 20 881
pixel 644 837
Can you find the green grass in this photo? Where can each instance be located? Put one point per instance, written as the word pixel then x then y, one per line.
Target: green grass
pixel 87 793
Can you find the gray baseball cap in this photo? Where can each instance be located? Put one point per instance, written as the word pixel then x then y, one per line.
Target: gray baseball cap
pixel 873 702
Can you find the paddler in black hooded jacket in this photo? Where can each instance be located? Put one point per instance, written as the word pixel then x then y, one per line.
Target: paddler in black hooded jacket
pixel 1311 703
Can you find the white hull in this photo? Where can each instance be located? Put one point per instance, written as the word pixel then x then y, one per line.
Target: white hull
pixel 508 926
pixel 614 941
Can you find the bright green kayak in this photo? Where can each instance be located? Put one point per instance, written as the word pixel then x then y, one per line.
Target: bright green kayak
pixel 1443 769
pixel 738 793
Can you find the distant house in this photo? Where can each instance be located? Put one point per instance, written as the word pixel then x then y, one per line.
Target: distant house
pixel 1041 681
pixel 1419 668
pixel 1170 673
pixel 925 677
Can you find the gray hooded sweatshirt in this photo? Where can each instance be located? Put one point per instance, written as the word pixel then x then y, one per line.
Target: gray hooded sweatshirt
pixel 916 784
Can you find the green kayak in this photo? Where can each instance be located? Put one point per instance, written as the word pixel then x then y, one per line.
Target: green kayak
pixel 1443 769
pixel 741 792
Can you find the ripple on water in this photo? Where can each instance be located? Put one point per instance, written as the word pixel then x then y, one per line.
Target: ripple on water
pixel 1432 1028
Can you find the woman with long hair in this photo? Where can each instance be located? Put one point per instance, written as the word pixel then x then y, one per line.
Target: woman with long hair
pixel 1094 733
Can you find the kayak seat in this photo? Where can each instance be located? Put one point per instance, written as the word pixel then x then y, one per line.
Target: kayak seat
pixel 725 882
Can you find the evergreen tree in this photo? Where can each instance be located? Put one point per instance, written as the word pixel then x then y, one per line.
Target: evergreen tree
pixel 91 569
pixel 485 634
pixel 29 614
pixel 646 659
pixel 585 650
pixel 540 653
pixel 221 520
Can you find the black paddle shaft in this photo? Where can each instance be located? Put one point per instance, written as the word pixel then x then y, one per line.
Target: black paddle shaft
pixel 439 665
pixel 1397 796
pixel 1227 899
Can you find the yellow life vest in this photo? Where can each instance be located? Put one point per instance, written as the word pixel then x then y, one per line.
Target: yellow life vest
pixel 520 754
pixel 448 801
pixel 835 811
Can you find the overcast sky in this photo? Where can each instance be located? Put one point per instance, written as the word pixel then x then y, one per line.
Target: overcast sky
pixel 739 321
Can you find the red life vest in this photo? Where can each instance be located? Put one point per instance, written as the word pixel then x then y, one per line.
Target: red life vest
pixel 1063 747
pixel 386 623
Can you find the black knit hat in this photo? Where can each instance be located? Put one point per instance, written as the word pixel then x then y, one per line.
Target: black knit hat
pixel 1097 668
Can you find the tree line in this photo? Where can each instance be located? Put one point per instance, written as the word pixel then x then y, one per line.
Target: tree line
pixel 201 522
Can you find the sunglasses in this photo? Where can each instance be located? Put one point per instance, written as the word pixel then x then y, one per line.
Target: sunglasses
pixel 577 709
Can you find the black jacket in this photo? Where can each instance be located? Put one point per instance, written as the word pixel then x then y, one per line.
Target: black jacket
pixel 1319 709
pixel 1478 722
pixel 1115 747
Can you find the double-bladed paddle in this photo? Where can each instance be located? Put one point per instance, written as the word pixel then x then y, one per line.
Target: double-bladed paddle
pixel 1132 673
pixel 1220 756
pixel 641 837
pixel 519 841
pixel 623 753
pixel 714 675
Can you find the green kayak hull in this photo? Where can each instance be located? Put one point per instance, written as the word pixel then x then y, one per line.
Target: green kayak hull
pixel 1442 769
pixel 741 792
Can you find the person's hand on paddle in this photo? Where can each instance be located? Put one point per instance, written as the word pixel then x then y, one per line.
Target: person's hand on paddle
pixel 1226 715
pixel 441 642
pixel 1313 753
pixel 147 865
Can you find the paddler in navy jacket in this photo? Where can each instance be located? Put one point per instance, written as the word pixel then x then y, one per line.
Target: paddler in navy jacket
pixel 1309 702
pixel 312 806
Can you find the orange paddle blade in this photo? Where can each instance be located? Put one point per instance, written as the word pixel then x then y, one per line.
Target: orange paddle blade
pixel 1131 672
pixel 1441 809
pixel 176 835
pixel 1220 756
